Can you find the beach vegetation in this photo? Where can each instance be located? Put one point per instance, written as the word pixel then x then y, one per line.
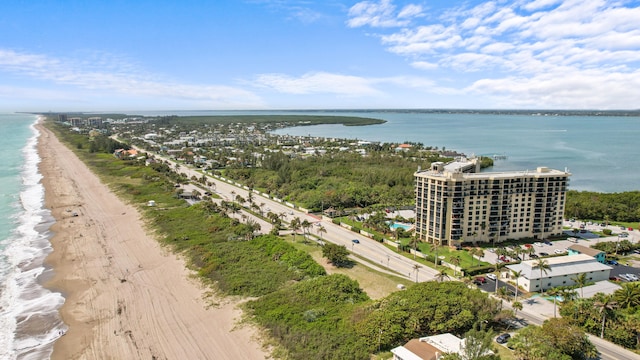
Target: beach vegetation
pixel 311 315
pixel 623 207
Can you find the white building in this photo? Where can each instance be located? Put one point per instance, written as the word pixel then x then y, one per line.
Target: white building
pixel 562 270
pixel 453 206
pixel 430 348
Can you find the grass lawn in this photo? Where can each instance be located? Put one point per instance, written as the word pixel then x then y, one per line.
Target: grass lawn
pixel 376 284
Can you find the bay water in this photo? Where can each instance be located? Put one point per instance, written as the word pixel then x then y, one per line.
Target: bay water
pixel 601 152
pixel 29 319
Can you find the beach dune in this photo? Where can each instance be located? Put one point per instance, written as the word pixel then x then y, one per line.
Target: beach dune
pixel 126 296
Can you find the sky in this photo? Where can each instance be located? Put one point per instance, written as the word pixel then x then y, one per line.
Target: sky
pixel 119 55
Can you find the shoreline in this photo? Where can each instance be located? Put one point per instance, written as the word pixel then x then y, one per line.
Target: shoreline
pixel 125 295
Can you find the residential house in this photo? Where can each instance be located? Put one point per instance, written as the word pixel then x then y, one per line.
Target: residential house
pixel 429 348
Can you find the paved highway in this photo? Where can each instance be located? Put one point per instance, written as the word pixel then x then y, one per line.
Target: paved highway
pixel 374 252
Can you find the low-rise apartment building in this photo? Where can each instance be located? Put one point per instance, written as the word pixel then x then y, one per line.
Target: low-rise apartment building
pixel 562 270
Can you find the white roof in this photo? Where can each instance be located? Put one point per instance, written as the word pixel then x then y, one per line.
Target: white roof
pixel 444 342
pixel 560 266
pixel 405 354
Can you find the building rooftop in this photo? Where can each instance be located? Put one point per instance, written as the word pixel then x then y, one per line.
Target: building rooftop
pixel 585 250
pixel 560 266
pixel 541 171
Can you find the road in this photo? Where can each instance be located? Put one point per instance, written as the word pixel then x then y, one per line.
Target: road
pixel 375 253
pixel 366 248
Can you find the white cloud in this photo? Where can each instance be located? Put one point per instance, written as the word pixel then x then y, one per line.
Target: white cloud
pixel 592 89
pixel 123 79
pixel 424 65
pixel 318 83
pixel 513 47
pixel 381 14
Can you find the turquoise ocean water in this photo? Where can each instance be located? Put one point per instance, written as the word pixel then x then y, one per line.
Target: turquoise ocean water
pixel 29 320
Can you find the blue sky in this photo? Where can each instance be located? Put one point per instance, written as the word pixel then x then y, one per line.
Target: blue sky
pixel 124 55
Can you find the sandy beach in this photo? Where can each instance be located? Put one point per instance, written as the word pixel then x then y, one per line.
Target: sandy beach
pixel 126 297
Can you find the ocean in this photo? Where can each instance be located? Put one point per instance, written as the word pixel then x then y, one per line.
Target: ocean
pixel 29 319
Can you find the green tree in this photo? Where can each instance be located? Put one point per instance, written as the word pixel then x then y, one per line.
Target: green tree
pixel 628 296
pixel 544 267
pixel 338 255
pixel 605 304
pixel 455 261
pixel 557 338
pixel 295 225
pixel 555 292
pixel 517 306
pixel 477 345
pixel 516 275
pixel 581 281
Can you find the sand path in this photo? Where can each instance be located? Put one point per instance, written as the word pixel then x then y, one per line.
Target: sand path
pixel 126 297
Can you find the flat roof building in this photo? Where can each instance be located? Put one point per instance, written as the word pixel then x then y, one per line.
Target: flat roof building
pixel 454 206
pixel 562 270
pixel 430 348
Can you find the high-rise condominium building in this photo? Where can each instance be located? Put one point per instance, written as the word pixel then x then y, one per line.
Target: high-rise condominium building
pixel 455 207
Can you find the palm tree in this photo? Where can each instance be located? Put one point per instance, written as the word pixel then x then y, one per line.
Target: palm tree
pixel 253 227
pixel 544 267
pixel 516 274
pixel 455 260
pixel 497 272
pixel 530 251
pixel 473 252
pixel 554 292
pixel 516 307
pixel 604 303
pixel 417 267
pixel 628 296
pixel 414 244
pixel 581 281
pixel 320 231
pixel 441 275
pixel 295 226
pixel 434 248
pixel 305 224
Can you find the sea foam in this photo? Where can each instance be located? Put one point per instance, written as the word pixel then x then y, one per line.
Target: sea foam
pixel 29 319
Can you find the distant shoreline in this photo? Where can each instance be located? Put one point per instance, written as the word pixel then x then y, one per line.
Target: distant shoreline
pixel 524 112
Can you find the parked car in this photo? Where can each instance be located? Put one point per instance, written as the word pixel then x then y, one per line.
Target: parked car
pixel 559 251
pixel 615 278
pixel 537 243
pixel 481 279
pixel 533 256
pixel 491 277
pixel 612 262
pixel 629 277
pixel 547 242
pixel 625 277
pixel 355 241
pixel 544 254
pixel 502 339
